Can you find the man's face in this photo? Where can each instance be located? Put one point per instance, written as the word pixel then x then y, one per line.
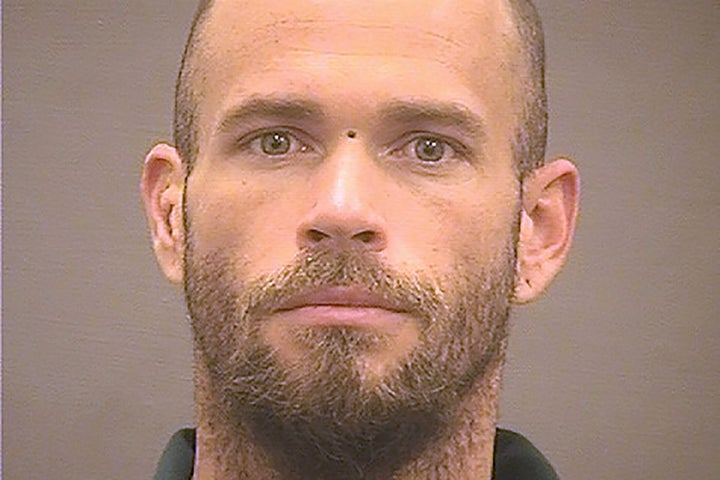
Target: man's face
pixel 353 207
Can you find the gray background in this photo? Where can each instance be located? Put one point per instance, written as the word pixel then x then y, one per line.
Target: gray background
pixel 614 375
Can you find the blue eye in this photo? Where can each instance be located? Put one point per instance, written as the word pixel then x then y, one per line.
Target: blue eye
pixel 429 149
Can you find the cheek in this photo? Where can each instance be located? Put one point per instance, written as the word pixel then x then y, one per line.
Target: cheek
pixel 239 217
pixel 473 225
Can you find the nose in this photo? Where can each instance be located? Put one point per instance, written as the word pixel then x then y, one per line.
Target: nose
pixel 346 191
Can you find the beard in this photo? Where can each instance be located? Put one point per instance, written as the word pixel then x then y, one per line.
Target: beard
pixel 320 416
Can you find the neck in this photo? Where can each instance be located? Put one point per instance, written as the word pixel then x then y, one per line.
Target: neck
pixel 464 450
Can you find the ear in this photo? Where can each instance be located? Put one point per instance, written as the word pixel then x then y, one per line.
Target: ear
pixel 549 211
pixel 162 193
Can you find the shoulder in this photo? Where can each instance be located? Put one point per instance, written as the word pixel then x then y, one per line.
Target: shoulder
pixel 518 459
pixel 178 457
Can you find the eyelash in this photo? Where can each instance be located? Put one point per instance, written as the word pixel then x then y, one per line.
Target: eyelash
pixel 254 144
pixel 457 150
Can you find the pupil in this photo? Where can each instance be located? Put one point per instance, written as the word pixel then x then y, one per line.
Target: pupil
pixel 429 149
pixel 275 143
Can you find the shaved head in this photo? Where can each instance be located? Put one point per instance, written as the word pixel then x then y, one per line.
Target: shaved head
pixel 531 133
pixel 184 119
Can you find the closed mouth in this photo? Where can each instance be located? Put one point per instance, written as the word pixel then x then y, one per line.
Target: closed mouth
pixel 341 297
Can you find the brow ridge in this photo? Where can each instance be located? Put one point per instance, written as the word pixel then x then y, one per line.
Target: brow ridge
pixel 270 106
pixel 403 111
pixel 437 112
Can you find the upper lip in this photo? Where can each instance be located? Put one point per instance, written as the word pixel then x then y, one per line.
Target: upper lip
pixel 349 296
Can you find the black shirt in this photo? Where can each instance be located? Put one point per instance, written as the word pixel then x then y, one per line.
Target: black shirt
pixel 515 458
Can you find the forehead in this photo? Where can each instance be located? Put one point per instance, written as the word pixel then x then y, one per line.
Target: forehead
pixel 458 27
pixel 469 39
pixel 446 18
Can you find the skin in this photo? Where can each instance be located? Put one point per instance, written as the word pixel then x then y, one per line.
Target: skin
pixel 354 64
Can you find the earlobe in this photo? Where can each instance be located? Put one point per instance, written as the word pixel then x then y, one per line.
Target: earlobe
pixel 162 193
pixel 547 225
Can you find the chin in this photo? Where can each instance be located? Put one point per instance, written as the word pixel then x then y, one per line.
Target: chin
pixel 370 352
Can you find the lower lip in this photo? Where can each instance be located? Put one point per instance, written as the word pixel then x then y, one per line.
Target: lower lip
pixel 338 315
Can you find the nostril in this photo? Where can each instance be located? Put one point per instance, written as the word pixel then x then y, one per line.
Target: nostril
pixel 337 236
pixel 368 236
pixel 316 236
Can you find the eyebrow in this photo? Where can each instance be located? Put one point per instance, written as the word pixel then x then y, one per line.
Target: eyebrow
pixel 444 113
pixel 411 111
pixel 255 107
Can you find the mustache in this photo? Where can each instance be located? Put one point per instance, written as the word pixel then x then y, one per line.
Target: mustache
pixel 318 268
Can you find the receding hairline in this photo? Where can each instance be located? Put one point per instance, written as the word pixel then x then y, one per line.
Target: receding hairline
pixel 529 144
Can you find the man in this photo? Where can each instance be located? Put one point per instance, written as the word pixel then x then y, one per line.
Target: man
pixel 357 195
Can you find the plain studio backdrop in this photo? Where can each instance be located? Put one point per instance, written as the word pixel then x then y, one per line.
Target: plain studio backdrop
pixel 614 374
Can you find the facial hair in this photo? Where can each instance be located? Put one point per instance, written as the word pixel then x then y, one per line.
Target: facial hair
pixel 321 418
